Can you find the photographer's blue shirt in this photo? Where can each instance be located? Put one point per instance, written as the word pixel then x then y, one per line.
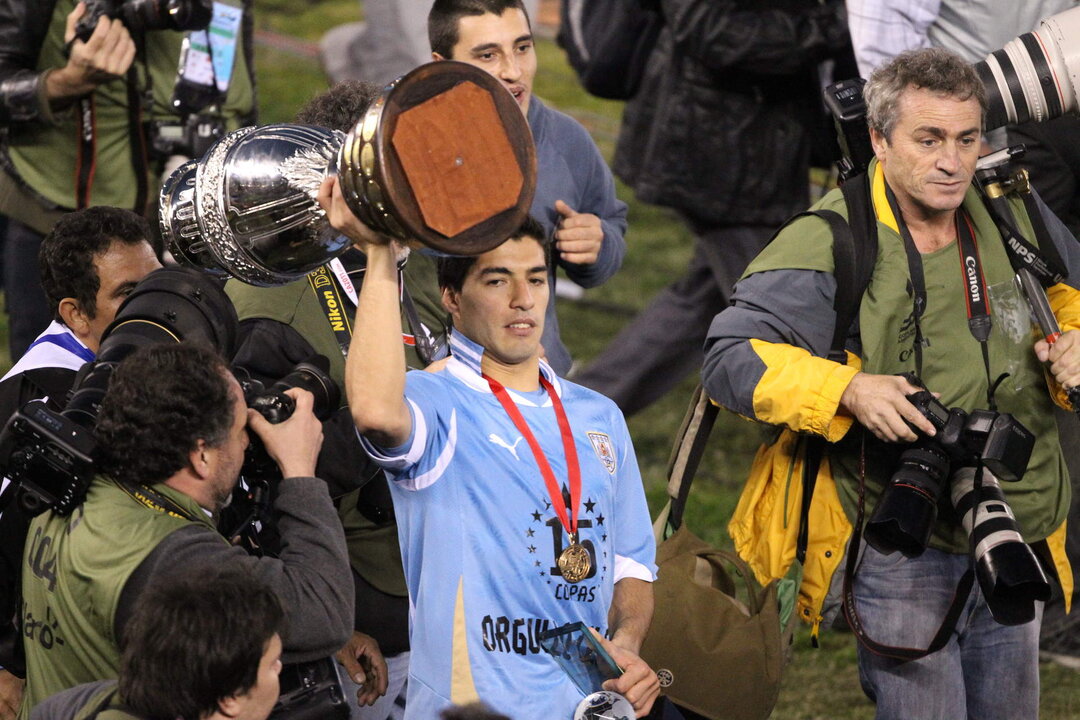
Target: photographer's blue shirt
pixel 479 536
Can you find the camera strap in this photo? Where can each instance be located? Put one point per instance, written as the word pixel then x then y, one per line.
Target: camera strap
pixel 1043 261
pixel 952 615
pixel 86 150
pixel 916 278
pixel 85 159
pixel 976 297
pixel 148 497
pixel 328 283
pixel 331 280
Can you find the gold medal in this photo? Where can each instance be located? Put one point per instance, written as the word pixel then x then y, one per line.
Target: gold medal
pixel 574 563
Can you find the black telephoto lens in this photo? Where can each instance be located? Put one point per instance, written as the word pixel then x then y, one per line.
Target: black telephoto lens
pixel 313 375
pixel 906 512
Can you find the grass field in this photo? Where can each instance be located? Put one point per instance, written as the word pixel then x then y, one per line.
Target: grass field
pixel 819 683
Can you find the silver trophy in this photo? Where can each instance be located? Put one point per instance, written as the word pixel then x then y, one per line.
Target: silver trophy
pixel 443 157
pixel 248 209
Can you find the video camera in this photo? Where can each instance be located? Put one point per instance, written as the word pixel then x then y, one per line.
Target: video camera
pixel 142 15
pixel 1030 79
pixel 49 456
pixel 970 453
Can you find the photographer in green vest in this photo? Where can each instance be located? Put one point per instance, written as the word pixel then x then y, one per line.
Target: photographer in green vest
pixel 172 432
pixel 941 320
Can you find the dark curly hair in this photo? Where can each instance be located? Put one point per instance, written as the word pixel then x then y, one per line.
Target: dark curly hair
pixel 196 639
pixel 339 107
pixel 66 257
pixel 161 401
pixel 452 269
pixel 442 22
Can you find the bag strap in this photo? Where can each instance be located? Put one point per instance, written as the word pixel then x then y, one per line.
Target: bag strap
pixel 686 454
pixel 753 589
pixel 855 248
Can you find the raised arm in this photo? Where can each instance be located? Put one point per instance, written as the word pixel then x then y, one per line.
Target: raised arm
pixel 375 368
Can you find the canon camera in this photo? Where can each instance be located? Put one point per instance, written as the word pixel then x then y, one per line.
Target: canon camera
pixel 970 454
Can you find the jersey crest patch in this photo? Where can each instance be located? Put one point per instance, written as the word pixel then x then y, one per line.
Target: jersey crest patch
pixel 601 444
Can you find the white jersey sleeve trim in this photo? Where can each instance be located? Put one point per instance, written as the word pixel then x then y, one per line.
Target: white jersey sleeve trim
pixel 431 476
pixel 413 449
pixel 627 568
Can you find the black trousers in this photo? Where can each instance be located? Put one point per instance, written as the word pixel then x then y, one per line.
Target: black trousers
pixel 27 308
pixel 664 343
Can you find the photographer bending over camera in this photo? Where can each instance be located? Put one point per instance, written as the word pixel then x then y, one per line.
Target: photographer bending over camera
pixel 198 647
pixel 173 428
pixel 949 318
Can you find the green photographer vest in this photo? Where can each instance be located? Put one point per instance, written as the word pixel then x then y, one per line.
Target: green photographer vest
pixel 373 549
pixel 952 358
pixel 74 571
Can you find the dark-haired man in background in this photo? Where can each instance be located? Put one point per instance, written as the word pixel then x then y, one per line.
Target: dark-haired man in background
pixel 89 263
pixel 172 431
pixel 575 193
pixel 199 646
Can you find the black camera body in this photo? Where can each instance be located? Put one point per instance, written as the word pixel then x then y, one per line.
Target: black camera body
pixel 51 457
pixel 845 103
pixel 191 138
pixel 904 517
pixel 998 440
pixel 273 404
pixel 142 15
pixel 969 454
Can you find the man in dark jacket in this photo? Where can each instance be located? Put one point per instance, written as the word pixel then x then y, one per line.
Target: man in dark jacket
pixel 721 131
pixel 197 646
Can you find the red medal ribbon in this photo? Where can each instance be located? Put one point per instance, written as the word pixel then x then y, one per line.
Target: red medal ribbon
pixel 572 466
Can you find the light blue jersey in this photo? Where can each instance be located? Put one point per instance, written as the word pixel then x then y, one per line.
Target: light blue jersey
pixel 479 536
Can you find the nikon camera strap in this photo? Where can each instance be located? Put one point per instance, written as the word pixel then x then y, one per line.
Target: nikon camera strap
pixel 331 281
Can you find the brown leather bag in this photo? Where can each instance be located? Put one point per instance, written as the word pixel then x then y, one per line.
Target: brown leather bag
pixel 716 640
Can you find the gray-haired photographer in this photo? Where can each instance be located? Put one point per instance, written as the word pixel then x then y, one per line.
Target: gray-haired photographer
pixel 95 97
pixel 906 276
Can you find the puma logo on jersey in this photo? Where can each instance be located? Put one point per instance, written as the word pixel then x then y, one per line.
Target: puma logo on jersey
pixel 503 444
